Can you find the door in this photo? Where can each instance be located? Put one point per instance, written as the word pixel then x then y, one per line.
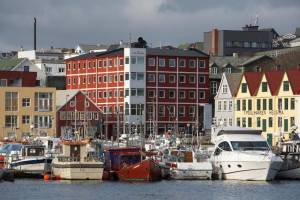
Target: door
pixel 270 138
pixel 75 151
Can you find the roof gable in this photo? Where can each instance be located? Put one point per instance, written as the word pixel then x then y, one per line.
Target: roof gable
pixel 253 80
pixel 294 79
pixel 274 79
pixel 9 64
pixel 234 81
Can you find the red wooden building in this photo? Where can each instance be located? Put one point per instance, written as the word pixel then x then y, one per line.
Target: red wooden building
pixel 18 79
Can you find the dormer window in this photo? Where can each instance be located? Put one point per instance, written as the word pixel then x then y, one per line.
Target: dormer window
pixel 228 70
pixel 286 86
pixel 264 87
pixel 224 89
pixel 214 70
pixel 244 87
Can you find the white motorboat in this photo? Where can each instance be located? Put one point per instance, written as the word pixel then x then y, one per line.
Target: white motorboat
pixel 182 164
pixel 290 154
pixel 243 154
pixel 78 161
pixel 30 160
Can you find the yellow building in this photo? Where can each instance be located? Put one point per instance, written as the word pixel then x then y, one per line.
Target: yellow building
pixel 27 111
pixel 266 101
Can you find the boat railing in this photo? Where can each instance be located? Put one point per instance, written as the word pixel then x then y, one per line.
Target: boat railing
pixel 68 159
pixel 92 159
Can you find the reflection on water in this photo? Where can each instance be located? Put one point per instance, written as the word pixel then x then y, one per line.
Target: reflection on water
pixel 175 190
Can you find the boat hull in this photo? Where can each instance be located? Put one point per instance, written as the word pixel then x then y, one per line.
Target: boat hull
pixel 31 166
pixel 78 171
pixel 192 171
pixel 146 170
pixel 249 170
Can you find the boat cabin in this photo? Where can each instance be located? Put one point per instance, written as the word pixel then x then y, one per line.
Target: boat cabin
pixel 32 151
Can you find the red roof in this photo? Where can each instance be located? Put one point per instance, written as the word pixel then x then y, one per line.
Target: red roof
pixel 274 79
pixel 253 81
pixel 294 79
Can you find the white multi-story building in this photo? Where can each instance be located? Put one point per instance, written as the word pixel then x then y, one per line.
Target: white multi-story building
pixel 224 103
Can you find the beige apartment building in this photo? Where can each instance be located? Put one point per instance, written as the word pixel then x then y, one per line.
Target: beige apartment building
pixel 27 111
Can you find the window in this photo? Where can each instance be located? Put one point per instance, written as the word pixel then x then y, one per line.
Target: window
pixel 192 78
pixel 126 76
pixel 133 60
pixel 292 121
pixel 42 121
pixel 258 106
pixel 201 63
pixel 279 104
pixel 43 101
pixel 151 77
pixel 11 121
pixel 270 104
pixel 279 121
pixel 11 101
pixel 140 76
pixel 214 70
pixel 161 78
pixel 110 78
pixel 151 93
pixel 172 78
pixel 172 94
pixel 244 121
pixel 116 78
pixel 244 87
pixel 133 75
pixel 238 105
pixel 201 79
pixel 26 102
pixel 201 94
pixel 126 92
pixel 286 103
pixel 225 106
pixel 192 111
pixel 181 78
pixel 219 105
pixel 3 82
pixel 249 104
pixel 172 63
pixel 224 89
pixel 192 94
pixel 121 62
pixel 151 61
pixel 192 63
pixel 213 87
pixel 140 91
pixel 264 104
pixel 100 63
pixel 285 86
pixel 243 104
pixel 25 119
pixel 181 94
pixel 230 106
pixel 249 122
pixel 181 63
pixel 104 78
pixel 238 122
pixel 161 110
pixel 133 92
pixel 121 78
pixel 126 60
pixel 228 70
pixel 270 122
pixel 264 87
pixel 161 94
pixel 161 62
pixel 292 103
pixel 140 60
pixel 181 110
pixel 99 94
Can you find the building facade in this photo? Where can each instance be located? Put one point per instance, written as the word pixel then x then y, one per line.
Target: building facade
pixel 164 89
pixel 267 101
pixel 88 121
pixel 18 79
pixel 27 111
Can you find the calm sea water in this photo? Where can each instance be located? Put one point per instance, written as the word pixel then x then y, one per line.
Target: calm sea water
pixel 175 190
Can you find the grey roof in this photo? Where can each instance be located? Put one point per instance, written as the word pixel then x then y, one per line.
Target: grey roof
pixel 254 58
pixel 96 54
pixel 63 96
pixel 222 61
pixel 234 80
pixel 89 47
pixel 175 52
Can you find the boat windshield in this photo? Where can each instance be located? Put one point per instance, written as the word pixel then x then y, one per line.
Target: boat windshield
pixel 250 145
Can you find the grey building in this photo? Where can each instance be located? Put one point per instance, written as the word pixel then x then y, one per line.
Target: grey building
pixel 249 40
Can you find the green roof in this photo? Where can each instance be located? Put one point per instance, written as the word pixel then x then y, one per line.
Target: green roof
pixel 9 64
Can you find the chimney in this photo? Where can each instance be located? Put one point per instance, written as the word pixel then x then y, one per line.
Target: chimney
pixel 214 42
pixel 34 35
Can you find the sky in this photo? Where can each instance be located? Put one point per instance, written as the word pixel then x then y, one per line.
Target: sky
pixel 66 23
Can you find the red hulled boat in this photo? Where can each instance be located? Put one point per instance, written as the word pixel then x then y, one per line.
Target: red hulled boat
pixel 146 170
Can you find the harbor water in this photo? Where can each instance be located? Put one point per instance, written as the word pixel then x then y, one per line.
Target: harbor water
pixel 176 190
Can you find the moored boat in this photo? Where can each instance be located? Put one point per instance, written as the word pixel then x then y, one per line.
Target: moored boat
pixel 76 162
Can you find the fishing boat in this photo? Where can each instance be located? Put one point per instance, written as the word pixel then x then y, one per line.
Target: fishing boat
pixel 243 154
pixel 182 164
pixel 145 170
pixel 290 154
pixel 77 161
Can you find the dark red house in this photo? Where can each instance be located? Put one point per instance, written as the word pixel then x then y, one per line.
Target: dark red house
pixel 18 79
pixel 88 121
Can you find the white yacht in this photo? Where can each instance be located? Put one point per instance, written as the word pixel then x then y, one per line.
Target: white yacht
pixel 77 161
pixel 243 154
